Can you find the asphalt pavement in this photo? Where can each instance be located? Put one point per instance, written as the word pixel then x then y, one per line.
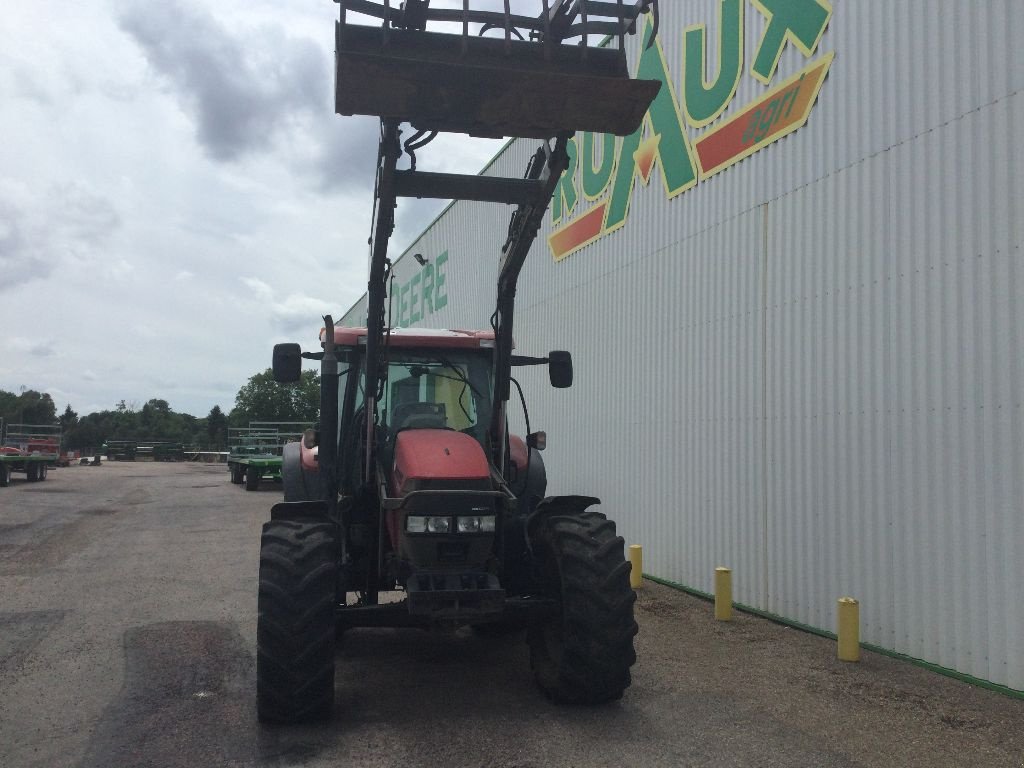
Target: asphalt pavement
pixel 127 638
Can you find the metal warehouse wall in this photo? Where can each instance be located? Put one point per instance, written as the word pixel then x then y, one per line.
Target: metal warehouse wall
pixel 807 367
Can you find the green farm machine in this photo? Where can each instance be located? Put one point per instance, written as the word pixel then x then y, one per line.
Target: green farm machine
pixel 30 448
pixel 255 453
pixel 412 484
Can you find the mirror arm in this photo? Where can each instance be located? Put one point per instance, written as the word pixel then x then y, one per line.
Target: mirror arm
pixel 524 360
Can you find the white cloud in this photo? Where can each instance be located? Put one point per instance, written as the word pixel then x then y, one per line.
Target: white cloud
pixel 45 227
pixel 239 94
pixel 292 313
pixel 34 347
pixel 176 194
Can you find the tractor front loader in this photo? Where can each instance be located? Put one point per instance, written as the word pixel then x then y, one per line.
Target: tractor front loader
pixel 412 484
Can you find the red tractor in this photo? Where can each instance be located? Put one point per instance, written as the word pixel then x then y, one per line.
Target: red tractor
pixel 412 483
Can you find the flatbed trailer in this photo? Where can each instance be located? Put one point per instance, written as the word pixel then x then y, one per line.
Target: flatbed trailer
pixel 120 450
pixel 159 450
pixel 251 470
pixel 34 465
pixel 256 452
pixel 35 440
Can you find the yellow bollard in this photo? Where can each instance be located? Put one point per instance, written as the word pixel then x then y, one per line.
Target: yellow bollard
pixel 723 594
pixel 636 562
pixel 848 637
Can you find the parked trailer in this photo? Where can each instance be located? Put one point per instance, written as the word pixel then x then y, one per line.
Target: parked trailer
pixel 255 453
pixel 168 452
pixel 159 450
pixel 36 439
pixel 34 465
pixel 120 450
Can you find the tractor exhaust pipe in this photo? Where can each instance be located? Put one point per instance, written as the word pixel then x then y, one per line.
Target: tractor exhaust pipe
pixel 328 453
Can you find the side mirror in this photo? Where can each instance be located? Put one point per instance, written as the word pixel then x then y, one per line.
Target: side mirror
pixel 537 440
pixel 560 369
pixel 287 363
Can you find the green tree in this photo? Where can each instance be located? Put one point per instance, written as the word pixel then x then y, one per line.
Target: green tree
pixel 216 427
pixel 34 408
pixel 68 419
pixel 90 431
pixel 8 406
pixel 263 399
pixel 157 420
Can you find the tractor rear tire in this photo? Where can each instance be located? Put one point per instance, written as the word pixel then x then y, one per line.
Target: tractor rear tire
pixel 295 632
pixel 5 474
pixel 582 653
pixel 252 478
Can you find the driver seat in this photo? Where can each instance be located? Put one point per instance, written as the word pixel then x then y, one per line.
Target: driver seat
pixel 419 416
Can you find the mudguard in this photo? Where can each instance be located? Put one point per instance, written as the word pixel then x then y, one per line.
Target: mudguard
pixel 299 510
pixel 531 478
pixel 300 483
pixel 558 505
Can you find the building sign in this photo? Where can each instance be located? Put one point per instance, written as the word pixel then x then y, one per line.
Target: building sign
pixel 603 169
pixel 422 295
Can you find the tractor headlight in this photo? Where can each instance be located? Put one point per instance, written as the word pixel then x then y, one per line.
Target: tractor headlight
pixel 475 524
pixel 463 524
pixel 428 524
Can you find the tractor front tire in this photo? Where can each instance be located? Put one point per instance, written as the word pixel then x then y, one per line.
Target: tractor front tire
pixel 252 478
pixel 582 653
pixel 237 475
pixel 43 471
pixel 32 472
pixel 5 474
pixel 295 633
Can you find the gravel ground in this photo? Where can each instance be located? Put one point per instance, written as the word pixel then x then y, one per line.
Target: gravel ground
pixel 127 634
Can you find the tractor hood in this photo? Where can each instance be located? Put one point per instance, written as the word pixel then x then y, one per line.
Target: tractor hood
pixel 423 455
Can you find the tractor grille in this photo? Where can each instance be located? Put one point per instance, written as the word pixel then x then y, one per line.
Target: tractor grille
pixel 449 552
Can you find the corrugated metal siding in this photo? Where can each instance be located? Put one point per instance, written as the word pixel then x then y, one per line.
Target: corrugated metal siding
pixel 894 349
pixel 809 367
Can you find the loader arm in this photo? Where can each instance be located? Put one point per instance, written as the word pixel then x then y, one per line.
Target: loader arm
pixel 546 168
pixel 526 82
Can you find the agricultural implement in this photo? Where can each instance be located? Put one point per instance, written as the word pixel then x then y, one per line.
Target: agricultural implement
pixel 255 453
pixel 29 448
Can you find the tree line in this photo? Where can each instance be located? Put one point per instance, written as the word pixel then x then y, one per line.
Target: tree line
pixel 259 399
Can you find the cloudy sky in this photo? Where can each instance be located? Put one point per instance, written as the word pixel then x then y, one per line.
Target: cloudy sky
pixel 177 195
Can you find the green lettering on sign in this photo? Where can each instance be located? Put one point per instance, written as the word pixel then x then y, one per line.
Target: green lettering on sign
pixel 596 179
pixel 706 100
pixel 440 293
pixel 428 287
pixel 403 306
pixel 801 21
pixel 566 196
pixel 414 315
pixel 421 295
pixel 673 150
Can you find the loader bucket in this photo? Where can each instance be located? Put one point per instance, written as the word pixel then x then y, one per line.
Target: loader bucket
pixel 486 86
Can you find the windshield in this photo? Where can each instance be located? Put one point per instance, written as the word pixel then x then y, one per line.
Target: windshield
pixel 440 390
